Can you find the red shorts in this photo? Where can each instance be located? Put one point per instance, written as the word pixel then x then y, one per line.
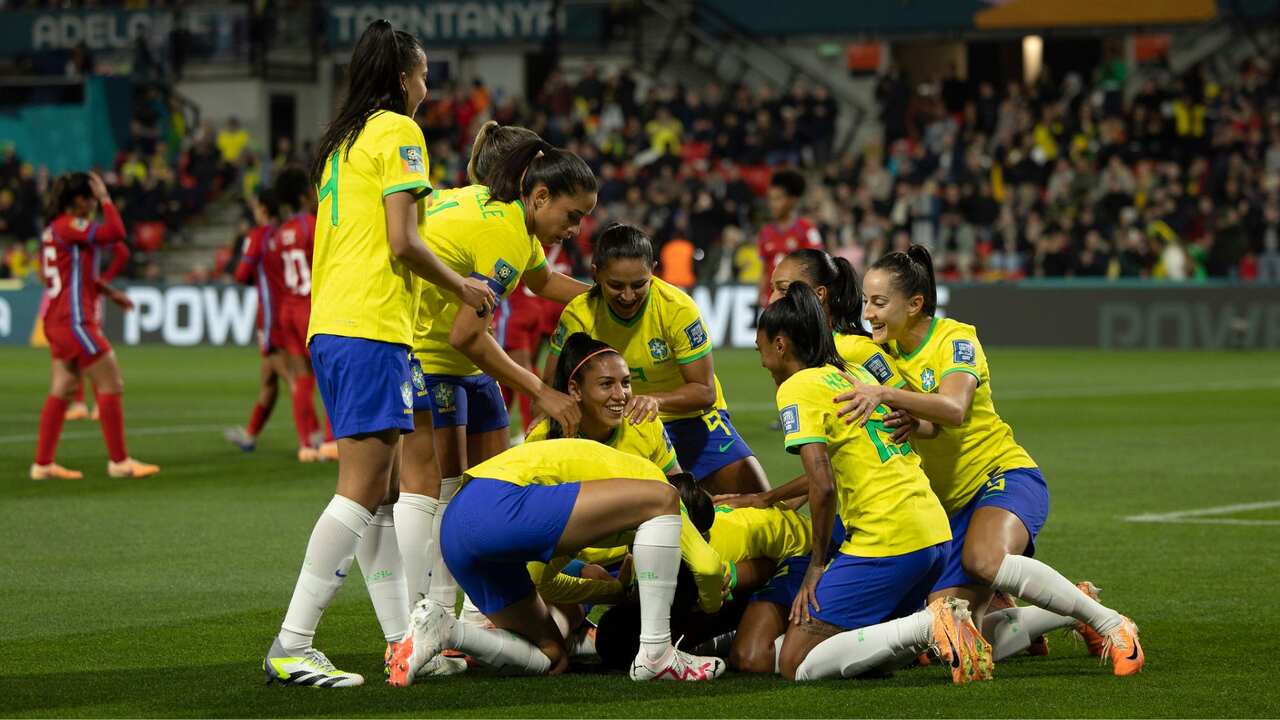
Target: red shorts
pixel 551 311
pixel 518 323
pixel 292 328
pixel 81 344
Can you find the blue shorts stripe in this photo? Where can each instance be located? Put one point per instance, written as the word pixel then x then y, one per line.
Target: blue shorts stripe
pixel 77 309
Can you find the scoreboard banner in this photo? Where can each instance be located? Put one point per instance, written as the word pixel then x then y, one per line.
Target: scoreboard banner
pixel 1107 315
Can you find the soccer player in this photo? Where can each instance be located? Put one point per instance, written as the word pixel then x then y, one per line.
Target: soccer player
pixel 492 233
pixel 78 410
pixel 992 490
pixel 548 499
pixel 371 169
pixel 660 333
pixel 788 232
pixel 897 536
pixel 69 262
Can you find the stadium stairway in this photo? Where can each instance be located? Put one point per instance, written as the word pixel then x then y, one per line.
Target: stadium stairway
pixel 206 235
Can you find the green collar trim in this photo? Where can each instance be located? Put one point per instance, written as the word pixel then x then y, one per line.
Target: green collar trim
pixel 933 323
pixel 634 318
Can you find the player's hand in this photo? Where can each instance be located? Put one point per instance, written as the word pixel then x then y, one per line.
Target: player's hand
pixel 99 188
pixel 476 293
pixel 561 408
pixel 860 402
pixel 902 423
pixel 743 500
pixel 118 297
pixel 807 597
pixel 640 409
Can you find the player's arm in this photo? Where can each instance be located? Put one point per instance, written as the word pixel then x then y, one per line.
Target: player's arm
pixel 556 587
pixel 798 487
pixel 249 259
pixel 712 575
pixel 408 248
pixel 111 229
pixel 553 285
pixel 822 512
pixel 949 406
pixel 119 256
pixel 697 394
pixel 470 335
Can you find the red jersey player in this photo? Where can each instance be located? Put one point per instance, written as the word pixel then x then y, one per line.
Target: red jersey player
pixel 77 409
pixel 69 255
pixel 788 231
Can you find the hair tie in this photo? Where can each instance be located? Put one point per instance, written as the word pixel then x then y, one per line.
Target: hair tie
pixel 584 360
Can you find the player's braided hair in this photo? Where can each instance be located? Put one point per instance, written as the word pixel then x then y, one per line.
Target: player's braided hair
pixel 381 54
pixel 492 144
pixel 800 317
pixel 836 274
pixel 574 358
pixel 913 275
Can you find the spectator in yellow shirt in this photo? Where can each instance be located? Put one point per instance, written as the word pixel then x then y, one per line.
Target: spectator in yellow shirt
pixel 232 141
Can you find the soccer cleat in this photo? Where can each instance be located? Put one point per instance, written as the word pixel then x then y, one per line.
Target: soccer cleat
pixel 1092 639
pixel 329 451
pixel 309 455
pixel 94 415
pixel 130 468
pixel 392 648
pixel 677 665
pixel 77 411
pixel 1124 649
pixel 311 669
pixel 441 666
pixel 958 643
pixel 1002 601
pixel 430 626
pixel 240 438
pixel 54 471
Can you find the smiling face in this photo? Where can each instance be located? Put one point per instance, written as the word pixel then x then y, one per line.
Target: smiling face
pixel 774 355
pixel 555 219
pixel 889 311
pixel 624 282
pixel 602 390
pixel 788 271
pixel 415 85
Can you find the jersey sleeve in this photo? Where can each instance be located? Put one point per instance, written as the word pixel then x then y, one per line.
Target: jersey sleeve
pixel 119 256
pixel 705 564
pixel 540 431
pixel 402 159
pixel 570 323
pixel 502 256
pixel 661 451
pixel 689 340
pixel 83 231
pixel 250 256
pixel 804 421
pixel 539 257
pixel 556 587
pixel 960 351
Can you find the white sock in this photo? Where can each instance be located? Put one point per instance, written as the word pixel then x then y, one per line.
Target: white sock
pixel 471 614
pixel 557 616
pixel 852 653
pixel 777 653
pixel 415 515
pixel 442 588
pixel 1010 631
pixel 1031 580
pixel 327 561
pixel 379 558
pixel 500 649
pixel 656 554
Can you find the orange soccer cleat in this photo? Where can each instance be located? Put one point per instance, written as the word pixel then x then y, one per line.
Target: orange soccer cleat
pixel 54 471
pixel 130 468
pixel 957 642
pixel 1092 639
pixel 1124 649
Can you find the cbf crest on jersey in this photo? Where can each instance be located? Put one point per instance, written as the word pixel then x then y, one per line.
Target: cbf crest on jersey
pixel 696 333
pixel 927 380
pixel 790 417
pixel 658 349
pixel 504 272
pixel 962 352
pixel 419 380
pixel 879 368
pixel 406 394
pixel 442 396
pixel 557 338
pixel 411 158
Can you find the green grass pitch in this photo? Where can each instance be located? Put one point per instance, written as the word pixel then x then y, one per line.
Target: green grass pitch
pixel 158 597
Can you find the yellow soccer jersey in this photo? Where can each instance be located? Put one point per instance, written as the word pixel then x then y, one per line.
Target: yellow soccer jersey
pixel 666 333
pixel 566 460
pixel 647 440
pixel 476 238
pixel 776 533
pixel 961 459
pixel 358 288
pixel 864 352
pixel 882 495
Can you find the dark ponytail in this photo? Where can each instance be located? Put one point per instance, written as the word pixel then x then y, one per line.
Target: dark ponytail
pixel 799 316
pixel 697 503
pixel 532 162
pixel 844 299
pixel 373 84
pixel 577 347
pixel 620 242
pixel 65 190
pixel 292 188
pixel 493 143
pixel 913 275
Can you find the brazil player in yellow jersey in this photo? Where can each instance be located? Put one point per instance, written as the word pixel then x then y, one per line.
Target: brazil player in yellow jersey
pixel 371 167
pixel 897 535
pixel 660 333
pixel 992 490
pixel 549 499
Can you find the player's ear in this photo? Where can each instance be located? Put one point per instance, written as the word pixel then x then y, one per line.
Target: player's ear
pixel 575 392
pixel 915 305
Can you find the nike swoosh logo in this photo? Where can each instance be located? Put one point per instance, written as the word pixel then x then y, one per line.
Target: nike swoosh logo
pixel 955 652
pixel 727 445
pixel 1133 655
pixel 339 573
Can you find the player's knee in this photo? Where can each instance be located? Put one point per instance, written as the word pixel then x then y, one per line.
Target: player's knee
pixel 558 656
pixel 751 657
pixel 788 664
pixel 663 499
pixel 982 563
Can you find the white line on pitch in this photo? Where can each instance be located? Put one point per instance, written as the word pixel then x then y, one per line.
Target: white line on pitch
pixel 130 432
pixel 1204 515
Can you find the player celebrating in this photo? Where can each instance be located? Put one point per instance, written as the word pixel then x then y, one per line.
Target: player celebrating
pixel 660 333
pixel 544 500
pixel 897 536
pixel 69 261
pixel 371 168
pixel 992 490
pixel 788 232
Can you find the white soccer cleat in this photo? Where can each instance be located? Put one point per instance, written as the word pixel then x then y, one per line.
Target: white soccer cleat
pixel 240 438
pixel 442 666
pixel 430 626
pixel 677 665
pixel 311 669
